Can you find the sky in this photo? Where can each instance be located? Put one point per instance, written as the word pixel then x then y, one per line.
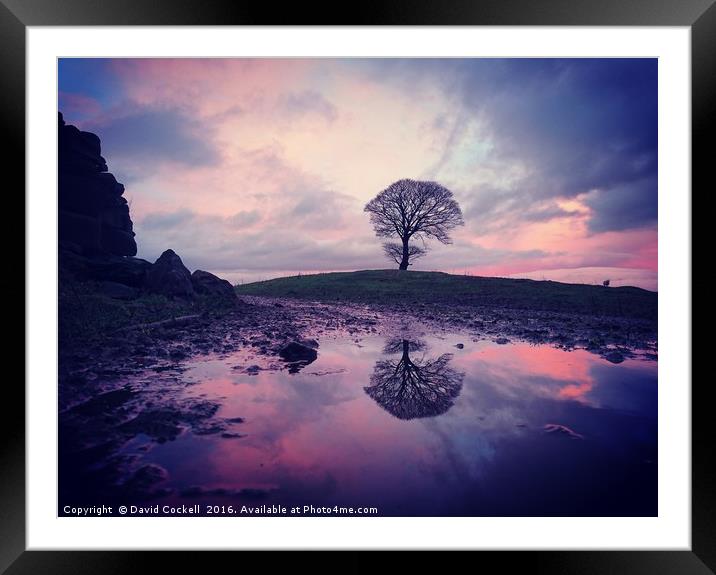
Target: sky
pixel 259 168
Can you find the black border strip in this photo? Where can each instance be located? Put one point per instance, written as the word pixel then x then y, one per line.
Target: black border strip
pixel 392 12
pixel 16 15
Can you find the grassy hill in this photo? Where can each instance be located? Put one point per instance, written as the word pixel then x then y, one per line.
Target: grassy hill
pixel 408 287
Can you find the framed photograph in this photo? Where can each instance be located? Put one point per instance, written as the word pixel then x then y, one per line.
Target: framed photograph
pixel 416 281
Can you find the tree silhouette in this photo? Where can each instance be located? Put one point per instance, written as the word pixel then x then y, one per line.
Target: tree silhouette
pixel 411 209
pixel 409 388
pixel 394 251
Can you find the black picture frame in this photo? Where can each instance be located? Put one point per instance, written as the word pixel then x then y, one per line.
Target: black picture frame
pixel 17 15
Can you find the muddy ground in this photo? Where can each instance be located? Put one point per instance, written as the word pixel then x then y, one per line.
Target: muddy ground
pixel 263 326
pixel 130 383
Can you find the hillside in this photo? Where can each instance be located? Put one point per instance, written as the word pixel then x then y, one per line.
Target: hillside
pixel 392 286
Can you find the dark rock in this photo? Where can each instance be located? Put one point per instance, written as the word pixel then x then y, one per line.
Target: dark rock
pixel 92 212
pixel 208 428
pixel 614 356
pixel 167 422
pixel 295 351
pixel 118 241
pixel 206 283
pixel 460 345
pixel 129 271
pixel 81 230
pixel 117 291
pixel 159 424
pixel 116 216
pixel 169 276
pixel 502 340
pixel 105 402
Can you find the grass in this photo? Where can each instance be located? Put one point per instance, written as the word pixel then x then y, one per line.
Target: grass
pixel 86 315
pixel 414 287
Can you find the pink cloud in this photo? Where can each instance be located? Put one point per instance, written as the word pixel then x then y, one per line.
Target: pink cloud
pixel 302 144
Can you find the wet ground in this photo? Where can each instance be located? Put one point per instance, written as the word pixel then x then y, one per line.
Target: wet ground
pixel 413 412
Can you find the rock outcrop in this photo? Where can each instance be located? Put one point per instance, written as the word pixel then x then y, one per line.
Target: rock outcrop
pixel 206 283
pixel 93 214
pixel 124 270
pixel 168 276
pixel 96 237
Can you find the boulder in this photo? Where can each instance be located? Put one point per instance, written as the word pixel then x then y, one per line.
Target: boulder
pixel 206 283
pixel 93 213
pixel 298 352
pixel 168 276
pixel 127 271
pixel 117 217
pixel 81 230
pixel 118 241
pixel 614 356
pixel 117 291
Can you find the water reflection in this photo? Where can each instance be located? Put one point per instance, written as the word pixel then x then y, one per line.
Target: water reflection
pixel 213 434
pixel 410 388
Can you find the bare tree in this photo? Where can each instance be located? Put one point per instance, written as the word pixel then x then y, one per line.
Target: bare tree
pixel 411 209
pixel 394 251
pixel 410 388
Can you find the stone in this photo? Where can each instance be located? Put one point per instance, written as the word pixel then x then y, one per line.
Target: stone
pixel 206 283
pixel 92 212
pixel 129 271
pixel 118 241
pixel 117 216
pixel 168 276
pixel 81 230
pixel 117 291
pixel 295 351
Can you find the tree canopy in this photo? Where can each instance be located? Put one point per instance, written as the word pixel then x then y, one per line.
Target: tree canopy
pixel 409 388
pixel 413 209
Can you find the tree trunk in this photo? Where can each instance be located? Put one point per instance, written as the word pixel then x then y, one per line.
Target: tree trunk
pixel 404 262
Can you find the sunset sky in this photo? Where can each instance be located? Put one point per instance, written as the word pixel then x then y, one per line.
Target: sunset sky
pixel 257 168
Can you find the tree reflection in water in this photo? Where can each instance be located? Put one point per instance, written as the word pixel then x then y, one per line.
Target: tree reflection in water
pixel 412 388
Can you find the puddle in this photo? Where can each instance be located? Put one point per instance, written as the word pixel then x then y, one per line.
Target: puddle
pixel 410 425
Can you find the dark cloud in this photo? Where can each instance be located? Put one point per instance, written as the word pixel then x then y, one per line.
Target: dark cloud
pixel 488 209
pixel 575 125
pixel 142 136
pixel 579 125
pixel 625 206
